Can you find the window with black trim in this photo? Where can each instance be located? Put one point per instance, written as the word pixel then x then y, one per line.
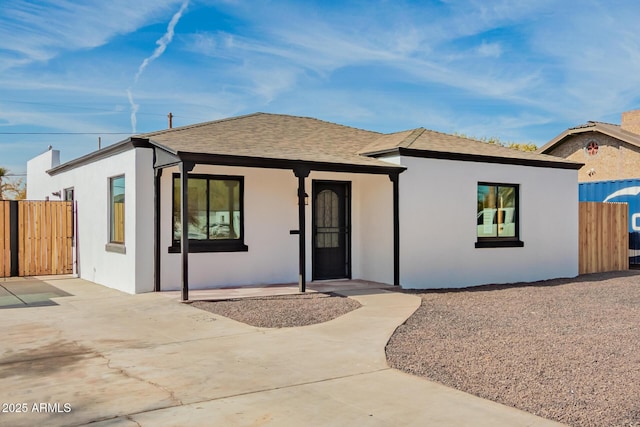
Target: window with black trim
pixel 116 209
pixel 497 215
pixel 215 213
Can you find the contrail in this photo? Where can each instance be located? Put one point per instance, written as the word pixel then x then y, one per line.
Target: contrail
pixel 134 110
pixel 162 43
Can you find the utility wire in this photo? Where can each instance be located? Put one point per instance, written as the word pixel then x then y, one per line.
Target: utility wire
pixel 66 133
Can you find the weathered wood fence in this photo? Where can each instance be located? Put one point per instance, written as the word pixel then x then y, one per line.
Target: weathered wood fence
pixel 36 238
pixel 603 237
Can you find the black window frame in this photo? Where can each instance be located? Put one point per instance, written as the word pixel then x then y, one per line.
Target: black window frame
pixel 501 241
pixel 112 244
pixel 210 245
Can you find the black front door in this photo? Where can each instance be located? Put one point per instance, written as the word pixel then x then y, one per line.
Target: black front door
pixel 331 224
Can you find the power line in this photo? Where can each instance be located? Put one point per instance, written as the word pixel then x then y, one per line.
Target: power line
pixel 80 107
pixel 66 133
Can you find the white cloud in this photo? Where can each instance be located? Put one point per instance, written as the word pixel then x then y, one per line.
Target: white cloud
pixel 490 50
pixel 39 31
pixel 134 110
pixel 163 41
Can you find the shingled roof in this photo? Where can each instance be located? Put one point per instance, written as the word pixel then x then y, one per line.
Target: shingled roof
pixel 271 136
pixel 276 136
pixel 614 131
pixel 428 143
pixel 277 140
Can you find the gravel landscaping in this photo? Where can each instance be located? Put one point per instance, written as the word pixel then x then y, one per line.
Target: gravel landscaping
pixel 566 350
pixel 282 311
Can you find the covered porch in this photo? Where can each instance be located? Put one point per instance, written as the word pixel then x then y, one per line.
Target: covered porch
pixel 252 291
pixel 354 190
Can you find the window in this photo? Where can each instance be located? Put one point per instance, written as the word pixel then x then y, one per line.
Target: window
pixel 215 213
pixel 69 197
pixel 497 216
pixel 116 206
pixel 68 194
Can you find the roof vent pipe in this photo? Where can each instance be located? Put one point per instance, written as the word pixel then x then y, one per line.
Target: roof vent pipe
pixel 170 116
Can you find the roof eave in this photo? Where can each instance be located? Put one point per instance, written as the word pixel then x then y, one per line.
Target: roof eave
pixel 545 149
pixel 111 150
pixel 483 158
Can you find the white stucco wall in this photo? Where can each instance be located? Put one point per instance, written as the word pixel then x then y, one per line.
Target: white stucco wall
pixel 271 211
pixel 131 272
pixel 38 180
pixel 438 224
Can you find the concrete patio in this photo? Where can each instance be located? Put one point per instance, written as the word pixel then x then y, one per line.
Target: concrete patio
pixel 125 360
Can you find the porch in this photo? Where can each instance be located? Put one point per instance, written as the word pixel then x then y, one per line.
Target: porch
pixel 234 292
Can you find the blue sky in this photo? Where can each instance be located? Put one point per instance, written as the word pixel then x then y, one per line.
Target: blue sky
pixel 520 70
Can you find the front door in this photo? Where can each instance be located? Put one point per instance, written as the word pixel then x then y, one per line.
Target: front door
pixel 331 227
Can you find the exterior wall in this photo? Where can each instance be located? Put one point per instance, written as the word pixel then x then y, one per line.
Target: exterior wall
pixel 271 211
pixel 631 121
pixel 438 204
pixel 38 180
pixel 132 271
pixel 614 160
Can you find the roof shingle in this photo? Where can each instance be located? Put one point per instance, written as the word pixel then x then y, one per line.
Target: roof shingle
pixel 276 136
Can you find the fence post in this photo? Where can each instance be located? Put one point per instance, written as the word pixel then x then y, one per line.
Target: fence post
pixel 13 227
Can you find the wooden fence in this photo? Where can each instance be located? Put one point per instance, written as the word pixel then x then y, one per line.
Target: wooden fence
pixel 603 237
pixel 37 239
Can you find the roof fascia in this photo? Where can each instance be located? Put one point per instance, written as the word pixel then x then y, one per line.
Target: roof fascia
pixel 103 153
pixel 271 163
pixel 570 132
pixel 464 157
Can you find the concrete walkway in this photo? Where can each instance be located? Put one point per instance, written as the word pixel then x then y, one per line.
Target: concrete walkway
pixel 103 357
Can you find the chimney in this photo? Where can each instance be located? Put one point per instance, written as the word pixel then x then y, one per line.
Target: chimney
pixel 631 121
pixel 170 120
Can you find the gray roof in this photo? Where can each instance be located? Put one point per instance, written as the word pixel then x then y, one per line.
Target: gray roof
pixel 614 131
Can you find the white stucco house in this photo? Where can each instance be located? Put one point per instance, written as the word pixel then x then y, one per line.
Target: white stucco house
pixel 271 199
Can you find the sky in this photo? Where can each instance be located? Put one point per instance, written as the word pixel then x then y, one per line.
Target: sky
pixel 72 72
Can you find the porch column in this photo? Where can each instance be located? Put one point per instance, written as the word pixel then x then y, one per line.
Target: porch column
pixel 156 226
pixel 185 167
pixel 301 172
pixel 395 177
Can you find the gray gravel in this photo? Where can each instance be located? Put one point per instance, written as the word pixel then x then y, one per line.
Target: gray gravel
pixel 566 350
pixel 282 311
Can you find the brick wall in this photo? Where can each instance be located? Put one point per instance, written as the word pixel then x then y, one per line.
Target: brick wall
pixel 614 159
pixel 631 121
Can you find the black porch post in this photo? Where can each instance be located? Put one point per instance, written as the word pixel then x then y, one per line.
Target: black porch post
pixel 395 177
pixel 301 173
pixel 185 167
pixel 156 225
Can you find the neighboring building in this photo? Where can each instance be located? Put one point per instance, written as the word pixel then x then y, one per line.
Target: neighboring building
pixel 608 151
pixel 611 171
pixel 279 199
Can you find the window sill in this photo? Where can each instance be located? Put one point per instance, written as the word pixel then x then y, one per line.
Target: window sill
pixel 499 244
pixel 211 247
pixel 118 248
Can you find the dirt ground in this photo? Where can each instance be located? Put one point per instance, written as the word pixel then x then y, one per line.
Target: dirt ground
pixel 567 350
pixel 282 311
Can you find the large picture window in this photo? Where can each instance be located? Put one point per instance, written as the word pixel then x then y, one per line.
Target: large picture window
pixel 116 210
pixel 215 213
pixel 497 215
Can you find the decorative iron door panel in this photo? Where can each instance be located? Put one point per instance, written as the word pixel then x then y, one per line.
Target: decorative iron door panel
pixel 331 228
